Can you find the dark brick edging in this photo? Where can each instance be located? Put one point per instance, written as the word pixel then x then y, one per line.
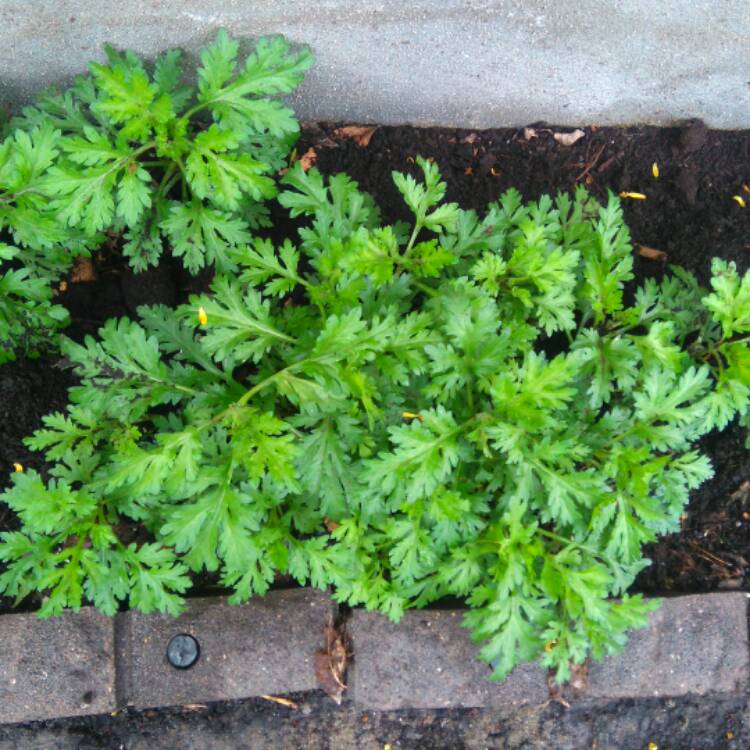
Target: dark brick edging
pixel 86 663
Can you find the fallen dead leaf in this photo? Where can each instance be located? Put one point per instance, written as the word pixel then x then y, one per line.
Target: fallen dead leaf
pixel 194 706
pixel 579 677
pixel 281 701
pixel 360 134
pixel 529 133
pixel 571 690
pixel 651 253
pixel 308 159
pixel 326 142
pixel 330 525
pixel 568 139
pixel 83 271
pixel 741 493
pixel 331 663
pixel 555 690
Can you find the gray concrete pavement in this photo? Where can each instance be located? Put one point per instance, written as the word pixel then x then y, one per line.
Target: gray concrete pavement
pixel 471 63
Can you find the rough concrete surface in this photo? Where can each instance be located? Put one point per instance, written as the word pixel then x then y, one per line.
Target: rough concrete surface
pixel 428 661
pixel 264 646
pixel 470 63
pixel 64 666
pixel 693 645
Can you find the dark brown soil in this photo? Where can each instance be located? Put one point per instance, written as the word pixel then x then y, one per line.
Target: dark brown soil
pixel 689 214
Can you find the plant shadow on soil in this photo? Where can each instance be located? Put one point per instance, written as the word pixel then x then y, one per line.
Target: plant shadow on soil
pixel 689 214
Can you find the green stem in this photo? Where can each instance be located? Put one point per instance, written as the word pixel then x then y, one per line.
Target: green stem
pixel 428 290
pixel 413 238
pixel 572 543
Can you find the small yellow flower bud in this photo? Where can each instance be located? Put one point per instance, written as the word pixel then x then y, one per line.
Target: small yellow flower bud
pixel 633 196
pixel 739 200
pixel 655 170
pixel 549 646
pixel 412 415
pixel 18 468
pixel 202 317
pixel 653 746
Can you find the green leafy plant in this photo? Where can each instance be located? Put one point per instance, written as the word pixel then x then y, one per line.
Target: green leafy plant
pixel 161 163
pixel 43 249
pixel 467 406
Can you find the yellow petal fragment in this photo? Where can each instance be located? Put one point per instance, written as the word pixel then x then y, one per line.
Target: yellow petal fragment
pixel 653 746
pixel 202 317
pixel 412 415
pixel 18 468
pixel 655 169
pixel 549 646
pixel 633 196
pixel 739 200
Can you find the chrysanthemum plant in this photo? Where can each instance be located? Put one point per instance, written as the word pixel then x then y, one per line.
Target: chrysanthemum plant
pixel 463 406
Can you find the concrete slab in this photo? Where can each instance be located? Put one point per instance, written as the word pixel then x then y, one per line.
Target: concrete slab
pixel 262 647
pixel 428 661
pixel 59 667
pixel 693 645
pixel 481 63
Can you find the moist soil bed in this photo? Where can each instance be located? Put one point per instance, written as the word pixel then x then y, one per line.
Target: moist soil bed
pixel 689 215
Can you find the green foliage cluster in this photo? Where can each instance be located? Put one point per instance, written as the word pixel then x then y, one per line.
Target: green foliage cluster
pixel 136 153
pixel 42 249
pixel 465 406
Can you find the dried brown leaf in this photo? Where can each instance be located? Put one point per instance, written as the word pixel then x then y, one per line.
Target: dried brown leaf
pixel 651 253
pixel 326 142
pixel 579 677
pixel 568 139
pixel 308 159
pixel 83 271
pixel 360 134
pixel 331 663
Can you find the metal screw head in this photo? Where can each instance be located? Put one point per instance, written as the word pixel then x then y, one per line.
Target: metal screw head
pixel 183 651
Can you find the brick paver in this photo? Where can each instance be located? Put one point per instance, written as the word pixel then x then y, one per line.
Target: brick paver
pixel 694 644
pixel 264 646
pixel 63 666
pixel 428 661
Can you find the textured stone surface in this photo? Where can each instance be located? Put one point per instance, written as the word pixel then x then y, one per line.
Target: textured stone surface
pixel 428 661
pixel 693 645
pixel 63 666
pixel 264 646
pixel 475 64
